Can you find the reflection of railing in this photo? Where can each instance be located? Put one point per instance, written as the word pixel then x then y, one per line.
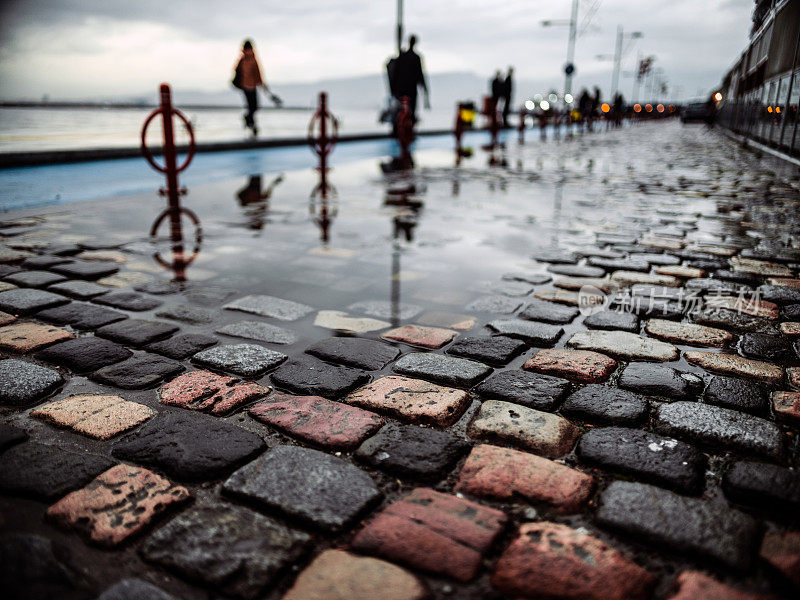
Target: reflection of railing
pixel 180 259
pixel 323 132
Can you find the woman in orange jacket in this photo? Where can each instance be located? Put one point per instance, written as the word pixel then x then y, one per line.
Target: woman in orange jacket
pixel 248 79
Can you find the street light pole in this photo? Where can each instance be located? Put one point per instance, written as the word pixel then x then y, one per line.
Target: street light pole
pixel 617 59
pixel 399 26
pixel 573 32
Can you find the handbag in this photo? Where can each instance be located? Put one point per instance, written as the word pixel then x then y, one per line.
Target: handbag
pixel 237 77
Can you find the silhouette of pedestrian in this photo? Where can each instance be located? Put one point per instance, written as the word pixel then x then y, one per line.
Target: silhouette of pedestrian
pixel 409 75
pixel 248 78
pixel 618 109
pixel 496 87
pixel 585 107
pixel 508 90
pixel 595 112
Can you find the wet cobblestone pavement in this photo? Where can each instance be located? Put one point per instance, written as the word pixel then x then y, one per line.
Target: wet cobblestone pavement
pixel 577 376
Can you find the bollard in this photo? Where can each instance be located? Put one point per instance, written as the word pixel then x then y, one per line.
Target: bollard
pixel 323 132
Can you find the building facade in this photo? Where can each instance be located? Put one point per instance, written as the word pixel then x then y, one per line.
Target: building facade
pixel 762 91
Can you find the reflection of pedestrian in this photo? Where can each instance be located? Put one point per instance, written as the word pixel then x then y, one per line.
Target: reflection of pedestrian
pixel 409 75
pixel 508 90
pixel 254 201
pixel 248 79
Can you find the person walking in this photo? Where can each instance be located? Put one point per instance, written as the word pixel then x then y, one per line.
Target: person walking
pixel 408 76
pixel 508 90
pixel 248 79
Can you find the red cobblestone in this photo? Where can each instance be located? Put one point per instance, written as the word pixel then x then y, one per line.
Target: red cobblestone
pixel 318 420
pixel 504 474
pixel 208 392
pixel 6 318
pixel 434 532
pixel 555 561
pixel 577 365
pixel 694 585
pixel 412 400
pixel 24 337
pixel 418 335
pixel 339 575
pixel 782 551
pixel 786 405
pixel 117 504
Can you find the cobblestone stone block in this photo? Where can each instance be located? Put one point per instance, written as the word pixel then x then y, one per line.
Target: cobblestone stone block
pixel 6 318
pixel 438 368
pixel 717 287
pixel 317 420
pixel 140 371
pixel 680 271
pixel 188 313
pixel 205 391
pixel 791 329
pixel 34 279
pixel 647 456
pixel 763 485
pixel 694 585
pixel 234 550
pixel 496 351
pixel 433 532
pixel 688 333
pixel 309 375
pixel 341 321
pixel 385 310
pixel 256 330
pixel 613 319
pixel 576 283
pixel 624 345
pixel 10 436
pixel 417 335
pixel 561 296
pixel 555 561
pixel 26 337
pixel 737 322
pixel 86 269
pixel 43 262
pixel 628 278
pixel 660 380
pixel 738 394
pixel 507 475
pixel 23 383
pixel 408 450
pixel 84 354
pixel 447 320
pixel 117 504
pixel 576 365
pixel 755 308
pixel 189 446
pixel 576 270
pixel 27 301
pixel 786 405
pixel 355 352
pixel 720 427
pixel 530 332
pixel 555 256
pixel 611 264
pixel 80 315
pixel 548 312
pixel 97 416
pixel 781 550
pixel 340 575
pixel 127 300
pixel 136 332
pixel 608 405
pixel 760 267
pixel 730 364
pixel 521 387
pixel 689 525
pixel 322 490
pixel 269 306
pixel 412 400
pixel 134 589
pixel 532 278
pixel 246 360
pixel 183 345
pixel 501 305
pixel 47 472
pixel 540 432
pixel 764 346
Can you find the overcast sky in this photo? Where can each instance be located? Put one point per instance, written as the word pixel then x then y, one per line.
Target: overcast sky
pixel 89 48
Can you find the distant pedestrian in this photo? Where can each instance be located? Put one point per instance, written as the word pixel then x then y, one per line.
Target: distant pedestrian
pixel 508 91
pixel 584 108
pixel 618 109
pixel 496 87
pixel 248 78
pixel 595 112
pixel 408 76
